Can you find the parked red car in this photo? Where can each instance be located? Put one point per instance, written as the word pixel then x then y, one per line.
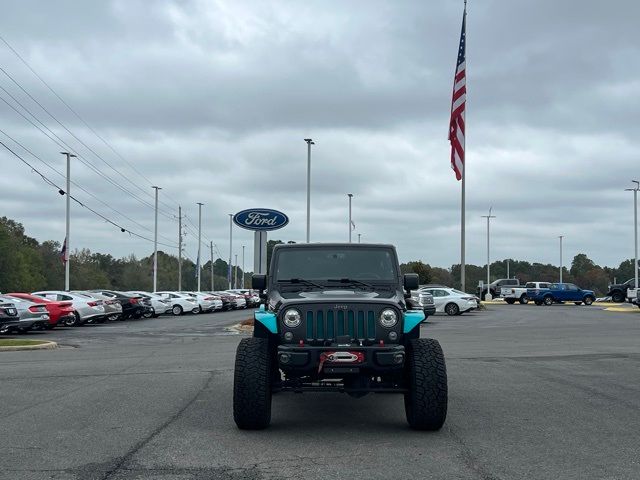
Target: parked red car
pixel 60 313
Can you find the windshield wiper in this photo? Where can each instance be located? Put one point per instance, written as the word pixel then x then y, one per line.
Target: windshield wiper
pixel 302 281
pixel 350 281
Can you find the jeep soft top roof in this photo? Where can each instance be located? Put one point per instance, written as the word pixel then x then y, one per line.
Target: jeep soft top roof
pixel 333 245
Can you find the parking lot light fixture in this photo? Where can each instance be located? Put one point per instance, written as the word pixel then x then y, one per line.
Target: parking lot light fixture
pixel 488 217
pixel 230 247
pixel 350 195
pixel 155 242
pixel 635 230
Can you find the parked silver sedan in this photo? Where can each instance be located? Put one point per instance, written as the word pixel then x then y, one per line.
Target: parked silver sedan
pixel 86 307
pixel 32 315
pixel 112 307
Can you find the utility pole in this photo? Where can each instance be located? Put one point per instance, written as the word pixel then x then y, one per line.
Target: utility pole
pixel 67 238
pixel 212 266
pixel 635 230
pixel 488 217
pixel 155 244
pixel 309 143
pixel 350 195
pixel 243 284
pixel 229 275
pixel 359 237
pixel 560 237
pixel 508 268
pixel 179 248
pixel 199 242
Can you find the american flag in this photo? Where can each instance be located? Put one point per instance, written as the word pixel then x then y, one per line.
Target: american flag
pixel 63 253
pixel 456 124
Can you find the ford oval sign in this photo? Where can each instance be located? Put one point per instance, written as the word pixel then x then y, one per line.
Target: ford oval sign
pixel 260 219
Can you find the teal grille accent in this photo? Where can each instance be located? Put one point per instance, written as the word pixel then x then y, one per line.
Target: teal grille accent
pixel 371 325
pixel 309 325
pixel 340 322
pixel 320 327
pixel 361 333
pixel 330 326
pixel 352 332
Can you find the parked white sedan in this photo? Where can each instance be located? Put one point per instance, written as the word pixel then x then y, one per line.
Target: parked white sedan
pixel 206 301
pixel 451 301
pixel 180 302
pixel 159 304
pixel 87 308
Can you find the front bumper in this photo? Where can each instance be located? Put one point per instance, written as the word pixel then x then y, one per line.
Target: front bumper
pixel 429 310
pixel 308 360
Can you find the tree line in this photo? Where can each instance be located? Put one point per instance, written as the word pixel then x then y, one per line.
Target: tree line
pixel 27 265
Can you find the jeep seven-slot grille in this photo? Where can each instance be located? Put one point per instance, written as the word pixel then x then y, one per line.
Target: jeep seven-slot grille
pixel 328 324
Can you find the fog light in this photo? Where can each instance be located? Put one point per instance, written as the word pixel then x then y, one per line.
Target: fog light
pixel 393 336
pixel 398 358
pixel 288 336
pixel 284 358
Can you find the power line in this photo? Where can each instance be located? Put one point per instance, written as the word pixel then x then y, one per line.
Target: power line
pixel 75 184
pixel 48 181
pixel 64 145
pixel 70 109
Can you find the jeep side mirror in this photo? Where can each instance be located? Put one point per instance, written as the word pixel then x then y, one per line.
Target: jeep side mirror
pixel 259 282
pixel 411 281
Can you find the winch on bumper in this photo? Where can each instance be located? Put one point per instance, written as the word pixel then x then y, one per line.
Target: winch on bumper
pixel 340 360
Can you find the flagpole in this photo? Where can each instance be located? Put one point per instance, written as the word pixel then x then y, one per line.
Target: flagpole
pixel 464 178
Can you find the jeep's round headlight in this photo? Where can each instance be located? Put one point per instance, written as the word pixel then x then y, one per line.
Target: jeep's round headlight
pixel 388 318
pixel 291 318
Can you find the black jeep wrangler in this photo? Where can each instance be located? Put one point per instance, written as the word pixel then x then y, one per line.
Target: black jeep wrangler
pixel 338 318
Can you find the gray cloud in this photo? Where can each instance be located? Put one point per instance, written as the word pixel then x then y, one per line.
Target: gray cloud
pixel 211 101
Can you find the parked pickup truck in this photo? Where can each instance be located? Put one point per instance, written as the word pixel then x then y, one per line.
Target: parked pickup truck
pixel 561 292
pixel 496 285
pixel 618 292
pixel 515 294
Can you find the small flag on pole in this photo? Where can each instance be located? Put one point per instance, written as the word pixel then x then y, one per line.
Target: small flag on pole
pixel 353 225
pixel 64 256
pixel 458 101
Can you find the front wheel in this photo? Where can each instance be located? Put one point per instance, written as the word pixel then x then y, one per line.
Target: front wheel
pixel 72 321
pixel 588 300
pixel 617 297
pixel 524 300
pixel 548 300
pixel 176 310
pixel 425 403
pixel 252 384
pixel 452 309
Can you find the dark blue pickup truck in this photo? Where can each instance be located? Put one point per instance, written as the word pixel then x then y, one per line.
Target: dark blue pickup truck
pixel 561 292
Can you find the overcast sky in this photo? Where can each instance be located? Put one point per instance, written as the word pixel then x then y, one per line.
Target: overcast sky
pixel 211 101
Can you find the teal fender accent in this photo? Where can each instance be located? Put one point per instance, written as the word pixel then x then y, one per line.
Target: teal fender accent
pixel 411 319
pixel 267 319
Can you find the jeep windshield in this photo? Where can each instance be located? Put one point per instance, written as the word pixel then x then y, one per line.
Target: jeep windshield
pixel 339 266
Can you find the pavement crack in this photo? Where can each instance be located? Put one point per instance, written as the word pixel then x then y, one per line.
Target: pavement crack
pixel 469 458
pixel 122 461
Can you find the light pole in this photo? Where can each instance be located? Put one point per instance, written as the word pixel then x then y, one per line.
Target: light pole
pixel 179 248
pixel 155 244
pixel 67 238
pixel 488 217
pixel 230 246
pixel 560 237
pixel 212 265
pixel 243 284
pixel 350 195
pixel 309 143
pixel 508 268
pixel 359 237
pixel 199 242
pixel 235 280
pixel 635 229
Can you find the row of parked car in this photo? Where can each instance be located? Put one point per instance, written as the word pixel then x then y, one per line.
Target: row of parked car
pixel 435 298
pixel 21 312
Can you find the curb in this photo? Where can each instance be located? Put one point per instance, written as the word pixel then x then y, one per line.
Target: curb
pixel 239 328
pixel 42 346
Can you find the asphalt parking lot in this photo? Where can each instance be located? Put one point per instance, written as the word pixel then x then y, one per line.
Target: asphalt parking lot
pixel 535 393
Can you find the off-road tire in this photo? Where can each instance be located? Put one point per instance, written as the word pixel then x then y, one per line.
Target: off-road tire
pixel 510 301
pixel 252 384
pixel 617 297
pixel 588 300
pixel 523 300
pixel 452 309
pixel 425 403
pixel 548 300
